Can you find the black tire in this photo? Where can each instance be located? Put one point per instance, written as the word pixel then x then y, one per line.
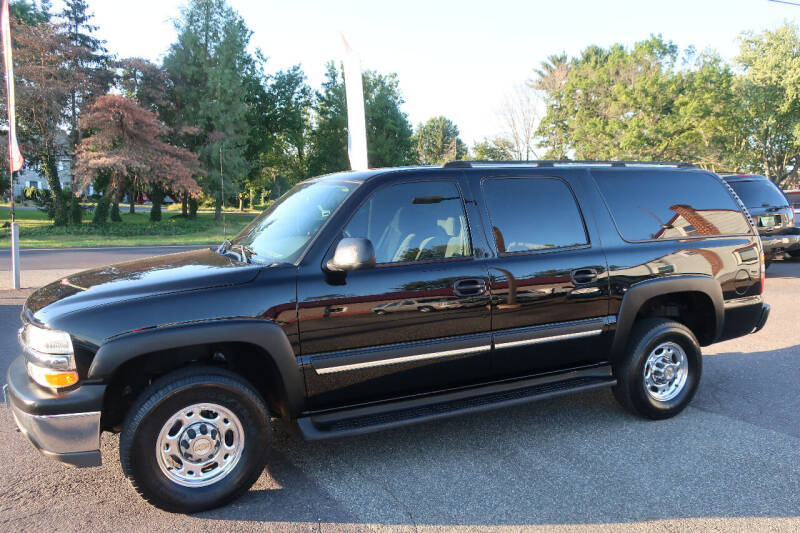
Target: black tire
pixel 167 396
pixel 645 337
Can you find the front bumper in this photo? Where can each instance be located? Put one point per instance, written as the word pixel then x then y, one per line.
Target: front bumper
pixel 65 427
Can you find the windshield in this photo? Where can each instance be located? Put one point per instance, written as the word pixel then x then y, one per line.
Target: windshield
pixel 282 232
pixel 758 194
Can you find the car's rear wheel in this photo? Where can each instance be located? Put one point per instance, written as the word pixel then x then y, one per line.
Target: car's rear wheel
pixel 195 439
pixel 661 369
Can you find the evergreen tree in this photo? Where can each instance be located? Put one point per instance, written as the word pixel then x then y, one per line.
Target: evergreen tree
pixel 437 141
pixel 388 130
pixel 207 66
pixel 89 58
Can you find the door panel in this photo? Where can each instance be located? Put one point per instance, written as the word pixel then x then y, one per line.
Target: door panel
pixel 538 291
pixel 417 322
pixel 549 281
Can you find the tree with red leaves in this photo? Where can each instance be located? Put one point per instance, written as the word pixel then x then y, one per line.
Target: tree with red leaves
pixel 123 142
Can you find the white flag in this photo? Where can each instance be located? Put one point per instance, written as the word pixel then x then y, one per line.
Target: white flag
pixel 356 122
pixel 14 155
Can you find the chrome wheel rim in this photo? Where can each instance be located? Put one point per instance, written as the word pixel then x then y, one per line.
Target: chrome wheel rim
pixel 666 371
pixel 200 444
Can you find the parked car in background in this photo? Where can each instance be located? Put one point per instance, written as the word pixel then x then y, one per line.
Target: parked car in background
pixel 772 213
pixel 794 199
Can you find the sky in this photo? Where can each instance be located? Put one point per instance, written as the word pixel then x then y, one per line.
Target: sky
pixel 454 58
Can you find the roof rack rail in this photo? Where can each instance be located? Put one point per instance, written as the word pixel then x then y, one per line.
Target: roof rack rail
pixel 557 162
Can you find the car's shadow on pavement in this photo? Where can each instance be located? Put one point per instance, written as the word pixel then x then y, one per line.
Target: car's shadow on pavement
pixel 573 460
pixel 784 268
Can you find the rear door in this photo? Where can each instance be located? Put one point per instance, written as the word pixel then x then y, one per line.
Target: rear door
pixel 549 277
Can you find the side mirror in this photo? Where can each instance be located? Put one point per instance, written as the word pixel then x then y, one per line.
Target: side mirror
pixel 352 253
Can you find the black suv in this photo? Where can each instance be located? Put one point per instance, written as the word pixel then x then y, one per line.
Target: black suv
pixel 772 213
pixel 553 278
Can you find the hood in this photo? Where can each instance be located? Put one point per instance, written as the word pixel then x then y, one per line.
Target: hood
pixel 186 271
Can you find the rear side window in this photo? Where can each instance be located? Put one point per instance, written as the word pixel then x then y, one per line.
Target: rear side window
pixel 759 193
pixel 665 204
pixel 533 214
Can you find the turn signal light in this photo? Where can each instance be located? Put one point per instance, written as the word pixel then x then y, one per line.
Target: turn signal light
pixel 56 379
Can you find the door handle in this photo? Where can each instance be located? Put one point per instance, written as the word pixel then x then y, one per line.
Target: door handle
pixel 583 276
pixel 469 287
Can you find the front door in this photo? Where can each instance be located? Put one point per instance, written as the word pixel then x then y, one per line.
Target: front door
pixel 548 280
pixel 418 321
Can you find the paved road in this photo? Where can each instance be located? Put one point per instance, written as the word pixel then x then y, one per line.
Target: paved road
pixel 43 265
pixel 730 462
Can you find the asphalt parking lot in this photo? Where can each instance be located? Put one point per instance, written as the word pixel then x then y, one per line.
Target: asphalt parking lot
pixel 730 462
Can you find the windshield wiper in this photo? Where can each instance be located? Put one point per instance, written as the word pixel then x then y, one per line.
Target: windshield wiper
pixel 244 254
pixel 224 247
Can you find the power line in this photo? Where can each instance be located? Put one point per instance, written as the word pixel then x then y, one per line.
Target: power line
pixel 785 2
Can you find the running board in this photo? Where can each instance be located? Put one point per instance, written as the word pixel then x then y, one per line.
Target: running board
pixel 360 420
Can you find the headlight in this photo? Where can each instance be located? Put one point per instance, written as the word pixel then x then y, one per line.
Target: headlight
pixel 46 341
pixel 50 357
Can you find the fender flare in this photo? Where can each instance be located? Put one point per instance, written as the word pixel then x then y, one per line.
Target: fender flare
pixel 267 335
pixel 643 291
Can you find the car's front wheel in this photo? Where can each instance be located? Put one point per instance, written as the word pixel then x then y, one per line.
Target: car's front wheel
pixel 661 369
pixel 195 439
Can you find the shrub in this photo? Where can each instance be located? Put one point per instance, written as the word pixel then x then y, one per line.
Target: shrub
pixel 115 216
pixel 75 210
pixel 101 212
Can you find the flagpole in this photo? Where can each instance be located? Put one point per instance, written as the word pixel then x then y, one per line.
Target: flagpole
pixel 356 117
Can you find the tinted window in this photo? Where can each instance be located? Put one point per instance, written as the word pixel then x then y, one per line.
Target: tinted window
pixel 668 204
pixel 413 222
pixel 759 193
pixel 533 214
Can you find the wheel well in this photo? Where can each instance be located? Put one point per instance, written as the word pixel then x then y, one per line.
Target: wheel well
pixel 693 309
pixel 250 361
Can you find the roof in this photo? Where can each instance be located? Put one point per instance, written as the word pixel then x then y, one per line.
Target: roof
pixel 363 175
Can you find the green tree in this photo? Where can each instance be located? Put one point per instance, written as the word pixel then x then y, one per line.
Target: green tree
pixel 437 141
pixel 768 103
pixel 497 149
pixel 388 130
pixel 30 12
pixel 145 82
pixel 281 131
pixel 207 66
pixel 648 102
pixel 329 136
pixel 553 130
pixel 89 58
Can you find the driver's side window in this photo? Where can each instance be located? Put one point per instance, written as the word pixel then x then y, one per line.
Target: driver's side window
pixel 416 221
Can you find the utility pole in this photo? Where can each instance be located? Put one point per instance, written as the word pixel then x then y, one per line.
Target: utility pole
pixel 222 191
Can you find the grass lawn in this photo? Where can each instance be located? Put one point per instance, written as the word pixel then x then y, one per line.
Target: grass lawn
pixel 37 231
